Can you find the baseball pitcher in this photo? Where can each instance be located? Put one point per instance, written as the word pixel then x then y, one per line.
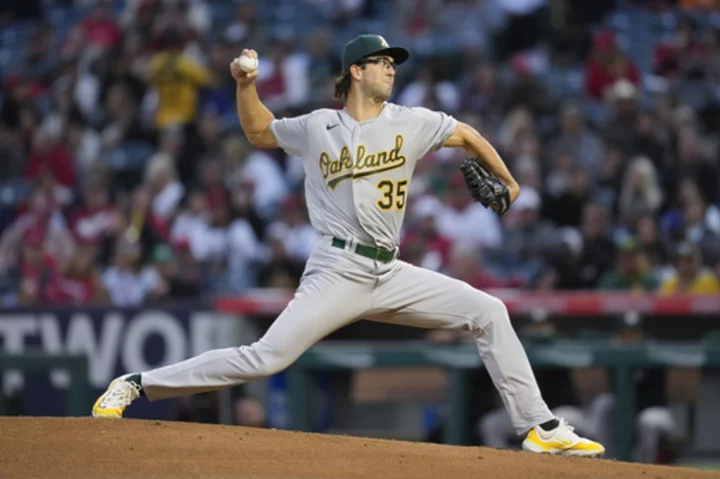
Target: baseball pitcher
pixel 358 165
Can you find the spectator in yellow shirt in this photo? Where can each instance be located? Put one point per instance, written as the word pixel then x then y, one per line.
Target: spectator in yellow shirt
pixel 177 80
pixel 689 276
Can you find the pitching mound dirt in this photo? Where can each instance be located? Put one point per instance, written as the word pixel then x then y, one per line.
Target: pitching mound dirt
pixel 92 448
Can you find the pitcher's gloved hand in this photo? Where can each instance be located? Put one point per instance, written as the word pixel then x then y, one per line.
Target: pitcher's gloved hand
pixel 485 187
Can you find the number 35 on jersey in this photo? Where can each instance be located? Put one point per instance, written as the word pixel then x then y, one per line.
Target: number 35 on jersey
pixel 393 194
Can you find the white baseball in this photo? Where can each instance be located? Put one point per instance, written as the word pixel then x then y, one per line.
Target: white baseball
pixel 247 64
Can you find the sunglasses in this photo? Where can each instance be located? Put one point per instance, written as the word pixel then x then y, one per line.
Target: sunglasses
pixel 382 61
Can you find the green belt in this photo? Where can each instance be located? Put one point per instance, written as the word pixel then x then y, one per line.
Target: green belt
pixel 381 254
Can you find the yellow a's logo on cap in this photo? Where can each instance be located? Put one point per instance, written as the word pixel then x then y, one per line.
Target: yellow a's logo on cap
pixel 383 42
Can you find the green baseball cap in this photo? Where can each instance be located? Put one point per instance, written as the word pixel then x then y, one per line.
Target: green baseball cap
pixel 366 45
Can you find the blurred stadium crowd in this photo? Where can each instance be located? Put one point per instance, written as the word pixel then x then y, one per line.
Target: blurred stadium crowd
pixel 125 176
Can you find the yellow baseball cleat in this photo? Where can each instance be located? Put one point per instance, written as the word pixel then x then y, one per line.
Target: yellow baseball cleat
pixel 561 440
pixel 119 394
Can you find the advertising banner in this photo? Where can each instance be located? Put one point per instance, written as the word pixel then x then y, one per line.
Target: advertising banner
pixel 115 341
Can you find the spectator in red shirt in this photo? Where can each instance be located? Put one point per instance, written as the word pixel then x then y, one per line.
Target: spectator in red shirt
pixel 212 183
pixel 47 155
pixel 273 86
pixel 607 64
pixel 40 215
pixel 99 27
pixel 80 282
pixel 39 272
pixel 682 55
pixel 96 219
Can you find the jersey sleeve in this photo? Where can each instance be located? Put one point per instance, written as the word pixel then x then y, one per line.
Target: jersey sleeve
pixel 291 134
pixel 435 128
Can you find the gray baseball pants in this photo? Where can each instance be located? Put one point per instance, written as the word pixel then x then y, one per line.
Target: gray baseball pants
pixel 339 287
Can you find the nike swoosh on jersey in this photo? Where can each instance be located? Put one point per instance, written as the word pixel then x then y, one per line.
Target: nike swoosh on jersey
pixel 330 127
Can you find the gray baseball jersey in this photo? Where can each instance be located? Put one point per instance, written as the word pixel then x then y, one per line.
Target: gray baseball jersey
pixel 357 178
pixel 358 174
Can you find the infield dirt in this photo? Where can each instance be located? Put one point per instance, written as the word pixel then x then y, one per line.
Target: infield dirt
pixel 94 448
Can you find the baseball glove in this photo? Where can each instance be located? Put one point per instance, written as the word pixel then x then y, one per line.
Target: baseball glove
pixel 485 187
